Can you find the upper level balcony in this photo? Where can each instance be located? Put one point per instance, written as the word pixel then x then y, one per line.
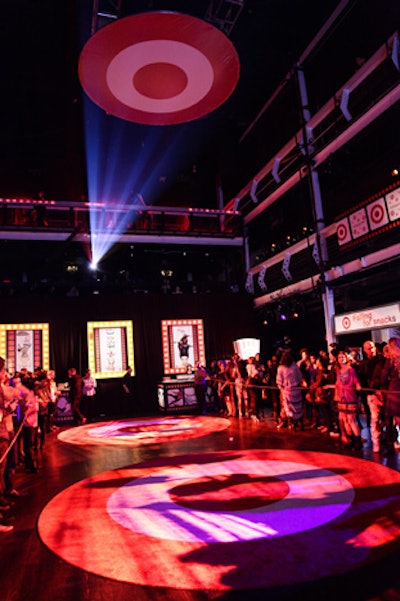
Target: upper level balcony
pixel 28 219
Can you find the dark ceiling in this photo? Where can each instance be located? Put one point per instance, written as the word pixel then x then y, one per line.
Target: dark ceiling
pixel 46 115
pixel 42 101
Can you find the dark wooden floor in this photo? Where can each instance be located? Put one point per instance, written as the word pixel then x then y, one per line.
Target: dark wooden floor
pixel 30 572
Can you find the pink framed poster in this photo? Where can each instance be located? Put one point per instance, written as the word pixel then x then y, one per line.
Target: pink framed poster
pixel 183 345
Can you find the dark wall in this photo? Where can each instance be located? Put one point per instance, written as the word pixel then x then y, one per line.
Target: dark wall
pixel 225 318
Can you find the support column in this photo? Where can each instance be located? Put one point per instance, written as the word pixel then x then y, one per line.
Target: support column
pixel 328 302
pixel 327 296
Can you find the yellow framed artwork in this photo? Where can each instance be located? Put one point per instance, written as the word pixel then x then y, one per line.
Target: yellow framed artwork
pixel 25 346
pixel 110 348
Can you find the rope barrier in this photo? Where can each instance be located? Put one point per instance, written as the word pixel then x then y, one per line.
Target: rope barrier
pixel 307 388
pixel 11 444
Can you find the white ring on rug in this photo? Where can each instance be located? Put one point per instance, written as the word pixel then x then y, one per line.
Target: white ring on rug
pixel 172 426
pixel 316 496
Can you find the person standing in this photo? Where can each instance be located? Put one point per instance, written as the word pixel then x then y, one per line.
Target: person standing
pixel 391 394
pixel 253 385
pixel 270 381
pixel 11 404
pixel 4 441
pixel 347 388
pixel 200 387
pixel 240 374
pixel 75 394
pixel 322 396
pixel 42 393
pixel 54 394
pixel 128 387
pixel 30 410
pixel 365 370
pixel 89 394
pixel 289 380
pixel 370 373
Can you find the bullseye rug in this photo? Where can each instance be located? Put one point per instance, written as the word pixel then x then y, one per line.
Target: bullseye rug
pixel 134 432
pixel 159 68
pixel 228 520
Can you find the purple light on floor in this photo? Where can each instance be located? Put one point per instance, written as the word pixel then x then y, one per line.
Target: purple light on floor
pixel 150 505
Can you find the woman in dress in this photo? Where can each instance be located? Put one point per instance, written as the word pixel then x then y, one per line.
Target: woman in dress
pixel 348 404
pixel 289 380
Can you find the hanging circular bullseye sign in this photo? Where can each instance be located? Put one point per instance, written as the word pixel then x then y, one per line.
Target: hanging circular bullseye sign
pixel 159 68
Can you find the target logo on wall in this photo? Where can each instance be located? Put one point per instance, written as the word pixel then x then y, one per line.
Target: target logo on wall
pixel 346 323
pixel 343 232
pixel 377 214
pixel 159 68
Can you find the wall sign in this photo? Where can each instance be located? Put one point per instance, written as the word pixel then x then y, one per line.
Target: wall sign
pixel 387 316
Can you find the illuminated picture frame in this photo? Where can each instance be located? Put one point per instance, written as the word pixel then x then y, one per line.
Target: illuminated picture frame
pixel 25 346
pixel 110 348
pixel 182 345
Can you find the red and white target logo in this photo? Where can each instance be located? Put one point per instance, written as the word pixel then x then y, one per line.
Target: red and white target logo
pixel 343 231
pixel 159 68
pixel 346 323
pixel 377 214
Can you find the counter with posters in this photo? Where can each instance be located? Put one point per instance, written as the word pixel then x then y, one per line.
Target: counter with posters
pixel 177 396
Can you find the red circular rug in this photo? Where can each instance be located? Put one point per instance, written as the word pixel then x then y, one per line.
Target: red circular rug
pixel 159 68
pixel 228 520
pixel 135 432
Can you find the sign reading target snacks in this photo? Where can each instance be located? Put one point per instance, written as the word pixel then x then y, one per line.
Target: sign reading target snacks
pixel 387 316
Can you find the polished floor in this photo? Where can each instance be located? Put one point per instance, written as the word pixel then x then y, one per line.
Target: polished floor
pixel 32 570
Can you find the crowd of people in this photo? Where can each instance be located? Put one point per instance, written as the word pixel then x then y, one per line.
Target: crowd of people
pixel 329 391
pixel 28 403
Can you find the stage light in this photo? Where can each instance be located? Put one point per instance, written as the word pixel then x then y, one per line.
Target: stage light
pixel 123 173
pixel 167 273
pixel 93 265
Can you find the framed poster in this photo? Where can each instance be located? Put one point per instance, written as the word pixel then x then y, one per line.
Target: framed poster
pixel 183 344
pixel 25 346
pixel 110 348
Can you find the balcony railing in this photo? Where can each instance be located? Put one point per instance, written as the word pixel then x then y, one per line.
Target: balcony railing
pixel 20 217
